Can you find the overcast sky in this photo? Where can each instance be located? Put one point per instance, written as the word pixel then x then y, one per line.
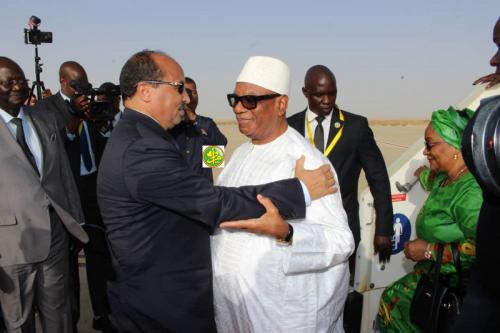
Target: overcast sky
pixel 392 59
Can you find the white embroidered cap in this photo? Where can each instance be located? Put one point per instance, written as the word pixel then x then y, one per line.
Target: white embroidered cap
pixel 266 72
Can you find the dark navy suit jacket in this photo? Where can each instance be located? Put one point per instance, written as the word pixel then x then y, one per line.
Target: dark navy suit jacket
pixel 158 214
pixel 357 150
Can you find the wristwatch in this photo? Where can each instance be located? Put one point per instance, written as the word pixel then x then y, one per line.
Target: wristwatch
pixel 288 238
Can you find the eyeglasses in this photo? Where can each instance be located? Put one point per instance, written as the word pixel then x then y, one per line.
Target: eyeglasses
pixel 248 101
pixel 430 145
pixel 9 84
pixel 178 85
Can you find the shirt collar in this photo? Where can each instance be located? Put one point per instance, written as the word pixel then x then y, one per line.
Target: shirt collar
pixel 66 98
pixel 7 117
pixel 311 116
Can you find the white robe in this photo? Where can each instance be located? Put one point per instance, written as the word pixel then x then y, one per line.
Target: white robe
pixel 261 286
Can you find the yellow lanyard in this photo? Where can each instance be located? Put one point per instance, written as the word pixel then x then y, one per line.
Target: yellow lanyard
pixel 335 139
pixel 80 128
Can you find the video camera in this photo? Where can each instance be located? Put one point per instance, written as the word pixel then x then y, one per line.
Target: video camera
pixel 35 36
pixel 102 109
pixel 481 145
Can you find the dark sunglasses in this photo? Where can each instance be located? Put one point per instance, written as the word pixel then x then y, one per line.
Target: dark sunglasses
pixel 9 84
pixel 430 145
pixel 178 85
pixel 248 101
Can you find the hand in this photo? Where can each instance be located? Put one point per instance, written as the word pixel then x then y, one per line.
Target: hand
pixel 270 223
pixel 319 182
pixel 419 170
pixel 415 250
pixel 31 101
pixel 493 79
pixel 82 104
pixel 46 93
pixel 76 246
pixel 383 246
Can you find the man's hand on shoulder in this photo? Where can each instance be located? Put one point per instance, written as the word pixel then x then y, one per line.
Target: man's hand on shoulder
pixel 319 182
pixel 492 79
pixel 270 223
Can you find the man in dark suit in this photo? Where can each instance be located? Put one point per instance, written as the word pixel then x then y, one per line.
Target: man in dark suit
pixel 196 131
pixel 347 140
pixel 158 213
pixel 40 209
pixel 66 104
pixel 85 142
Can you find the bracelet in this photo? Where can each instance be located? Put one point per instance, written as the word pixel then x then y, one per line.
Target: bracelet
pixel 428 252
pixel 288 238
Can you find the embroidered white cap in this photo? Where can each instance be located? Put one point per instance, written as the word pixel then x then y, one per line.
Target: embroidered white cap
pixel 266 72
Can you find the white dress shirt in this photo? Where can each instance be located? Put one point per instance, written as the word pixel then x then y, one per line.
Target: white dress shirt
pixel 311 116
pixel 30 135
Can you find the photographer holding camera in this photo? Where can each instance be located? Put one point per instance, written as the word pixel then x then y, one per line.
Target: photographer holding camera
pixel 86 138
pixel 107 104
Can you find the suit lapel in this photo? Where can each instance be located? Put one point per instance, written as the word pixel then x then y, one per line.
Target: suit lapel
pixel 6 136
pixel 301 122
pixel 46 141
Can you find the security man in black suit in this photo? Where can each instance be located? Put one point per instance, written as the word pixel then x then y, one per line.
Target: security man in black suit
pixel 347 140
pixel 85 142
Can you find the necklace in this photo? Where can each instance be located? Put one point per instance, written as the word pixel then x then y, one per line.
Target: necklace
pixel 449 180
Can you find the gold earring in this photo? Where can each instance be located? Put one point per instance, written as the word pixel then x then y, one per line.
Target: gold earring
pixel 455 157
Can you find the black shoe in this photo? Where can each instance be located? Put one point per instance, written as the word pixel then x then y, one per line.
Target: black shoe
pixel 103 324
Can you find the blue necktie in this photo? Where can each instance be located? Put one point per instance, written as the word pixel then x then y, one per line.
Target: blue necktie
pixel 85 149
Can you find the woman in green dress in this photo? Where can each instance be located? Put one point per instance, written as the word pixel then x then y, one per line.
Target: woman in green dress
pixel 449 215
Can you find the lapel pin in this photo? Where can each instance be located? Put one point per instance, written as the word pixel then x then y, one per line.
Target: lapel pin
pixel 336 125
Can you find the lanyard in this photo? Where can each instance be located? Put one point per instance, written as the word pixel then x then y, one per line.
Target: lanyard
pixel 334 140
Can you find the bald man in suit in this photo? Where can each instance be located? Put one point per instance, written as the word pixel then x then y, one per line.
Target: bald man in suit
pixel 40 208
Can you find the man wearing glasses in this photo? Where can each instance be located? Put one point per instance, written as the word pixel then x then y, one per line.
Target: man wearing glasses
pixel 196 131
pixel 40 209
pixel 295 284
pixel 158 213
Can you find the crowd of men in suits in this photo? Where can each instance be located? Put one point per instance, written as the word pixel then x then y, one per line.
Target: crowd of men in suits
pixel 62 163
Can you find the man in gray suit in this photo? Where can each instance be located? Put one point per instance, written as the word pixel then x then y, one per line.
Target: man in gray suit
pixel 40 207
